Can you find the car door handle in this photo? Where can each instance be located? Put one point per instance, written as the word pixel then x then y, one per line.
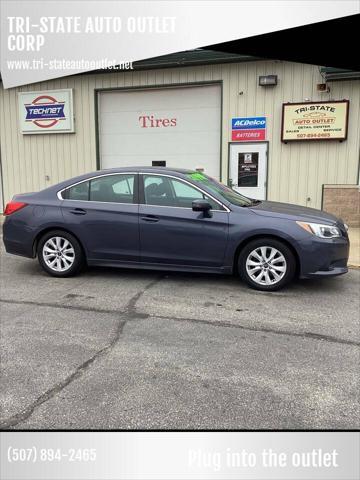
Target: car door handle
pixel 78 211
pixel 150 218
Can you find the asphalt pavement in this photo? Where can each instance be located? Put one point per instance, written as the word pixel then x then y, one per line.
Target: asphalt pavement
pixel 132 349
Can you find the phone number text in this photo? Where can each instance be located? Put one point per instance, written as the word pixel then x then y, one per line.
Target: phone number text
pixel 34 454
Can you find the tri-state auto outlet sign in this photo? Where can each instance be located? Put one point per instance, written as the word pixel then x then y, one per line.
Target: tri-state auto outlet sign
pixel 315 121
pixel 248 129
pixel 49 111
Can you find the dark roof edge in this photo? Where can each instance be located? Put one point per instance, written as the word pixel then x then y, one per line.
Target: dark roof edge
pixel 337 74
pixel 187 62
pixel 182 59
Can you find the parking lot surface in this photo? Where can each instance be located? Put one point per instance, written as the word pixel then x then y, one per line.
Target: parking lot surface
pixel 131 349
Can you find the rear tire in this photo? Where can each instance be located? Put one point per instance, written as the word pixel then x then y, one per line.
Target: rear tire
pixel 60 254
pixel 266 264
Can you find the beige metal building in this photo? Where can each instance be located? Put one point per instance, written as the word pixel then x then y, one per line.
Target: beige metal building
pixel 116 122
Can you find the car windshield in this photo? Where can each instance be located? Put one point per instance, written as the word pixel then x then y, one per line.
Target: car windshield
pixel 220 189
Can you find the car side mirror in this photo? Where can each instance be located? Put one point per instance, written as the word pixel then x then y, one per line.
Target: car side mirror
pixel 201 206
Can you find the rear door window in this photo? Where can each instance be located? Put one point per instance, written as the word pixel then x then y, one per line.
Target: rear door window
pixel 113 189
pixel 77 192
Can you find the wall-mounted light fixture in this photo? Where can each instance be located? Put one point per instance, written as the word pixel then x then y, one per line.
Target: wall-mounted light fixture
pixel 323 88
pixel 268 80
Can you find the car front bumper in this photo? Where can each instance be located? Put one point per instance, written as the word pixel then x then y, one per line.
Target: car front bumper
pixel 323 257
pixel 333 272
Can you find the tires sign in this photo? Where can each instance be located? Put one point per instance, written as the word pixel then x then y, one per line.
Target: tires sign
pixel 50 111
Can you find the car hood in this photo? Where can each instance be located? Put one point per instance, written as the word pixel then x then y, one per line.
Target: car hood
pixel 293 212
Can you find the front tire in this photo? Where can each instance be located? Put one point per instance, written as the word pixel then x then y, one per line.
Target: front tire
pixel 60 254
pixel 266 264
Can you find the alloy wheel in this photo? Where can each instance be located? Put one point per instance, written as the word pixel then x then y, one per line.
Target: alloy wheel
pixel 266 265
pixel 58 254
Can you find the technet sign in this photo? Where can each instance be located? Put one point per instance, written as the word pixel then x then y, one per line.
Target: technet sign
pixel 248 129
pixel 49 111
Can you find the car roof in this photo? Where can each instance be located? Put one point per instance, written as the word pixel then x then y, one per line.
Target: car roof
pixel 96 173
pixel 147 169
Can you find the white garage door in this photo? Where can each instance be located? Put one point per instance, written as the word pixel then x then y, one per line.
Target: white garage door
pixel 180 126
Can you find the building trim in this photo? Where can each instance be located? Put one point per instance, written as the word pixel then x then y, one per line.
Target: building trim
pixel 2 206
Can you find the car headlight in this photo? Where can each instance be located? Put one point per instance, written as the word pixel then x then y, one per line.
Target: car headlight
pixel 322 231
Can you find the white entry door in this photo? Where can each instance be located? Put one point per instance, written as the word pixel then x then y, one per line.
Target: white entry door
pixel 247 169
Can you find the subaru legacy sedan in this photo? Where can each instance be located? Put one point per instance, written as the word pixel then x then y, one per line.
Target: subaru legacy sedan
pixel 172 219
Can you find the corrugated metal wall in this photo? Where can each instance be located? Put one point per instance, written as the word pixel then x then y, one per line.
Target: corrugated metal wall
pixel 297 171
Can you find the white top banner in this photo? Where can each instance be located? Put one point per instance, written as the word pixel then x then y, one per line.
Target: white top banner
pixel 44 40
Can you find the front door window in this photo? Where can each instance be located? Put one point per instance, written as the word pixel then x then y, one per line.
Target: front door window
pixel 166 191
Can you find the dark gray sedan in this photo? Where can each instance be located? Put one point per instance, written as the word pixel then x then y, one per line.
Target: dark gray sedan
pixel 172 219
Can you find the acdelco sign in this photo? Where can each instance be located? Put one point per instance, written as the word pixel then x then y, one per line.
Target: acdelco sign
pixel 248 123
pixel 50 111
